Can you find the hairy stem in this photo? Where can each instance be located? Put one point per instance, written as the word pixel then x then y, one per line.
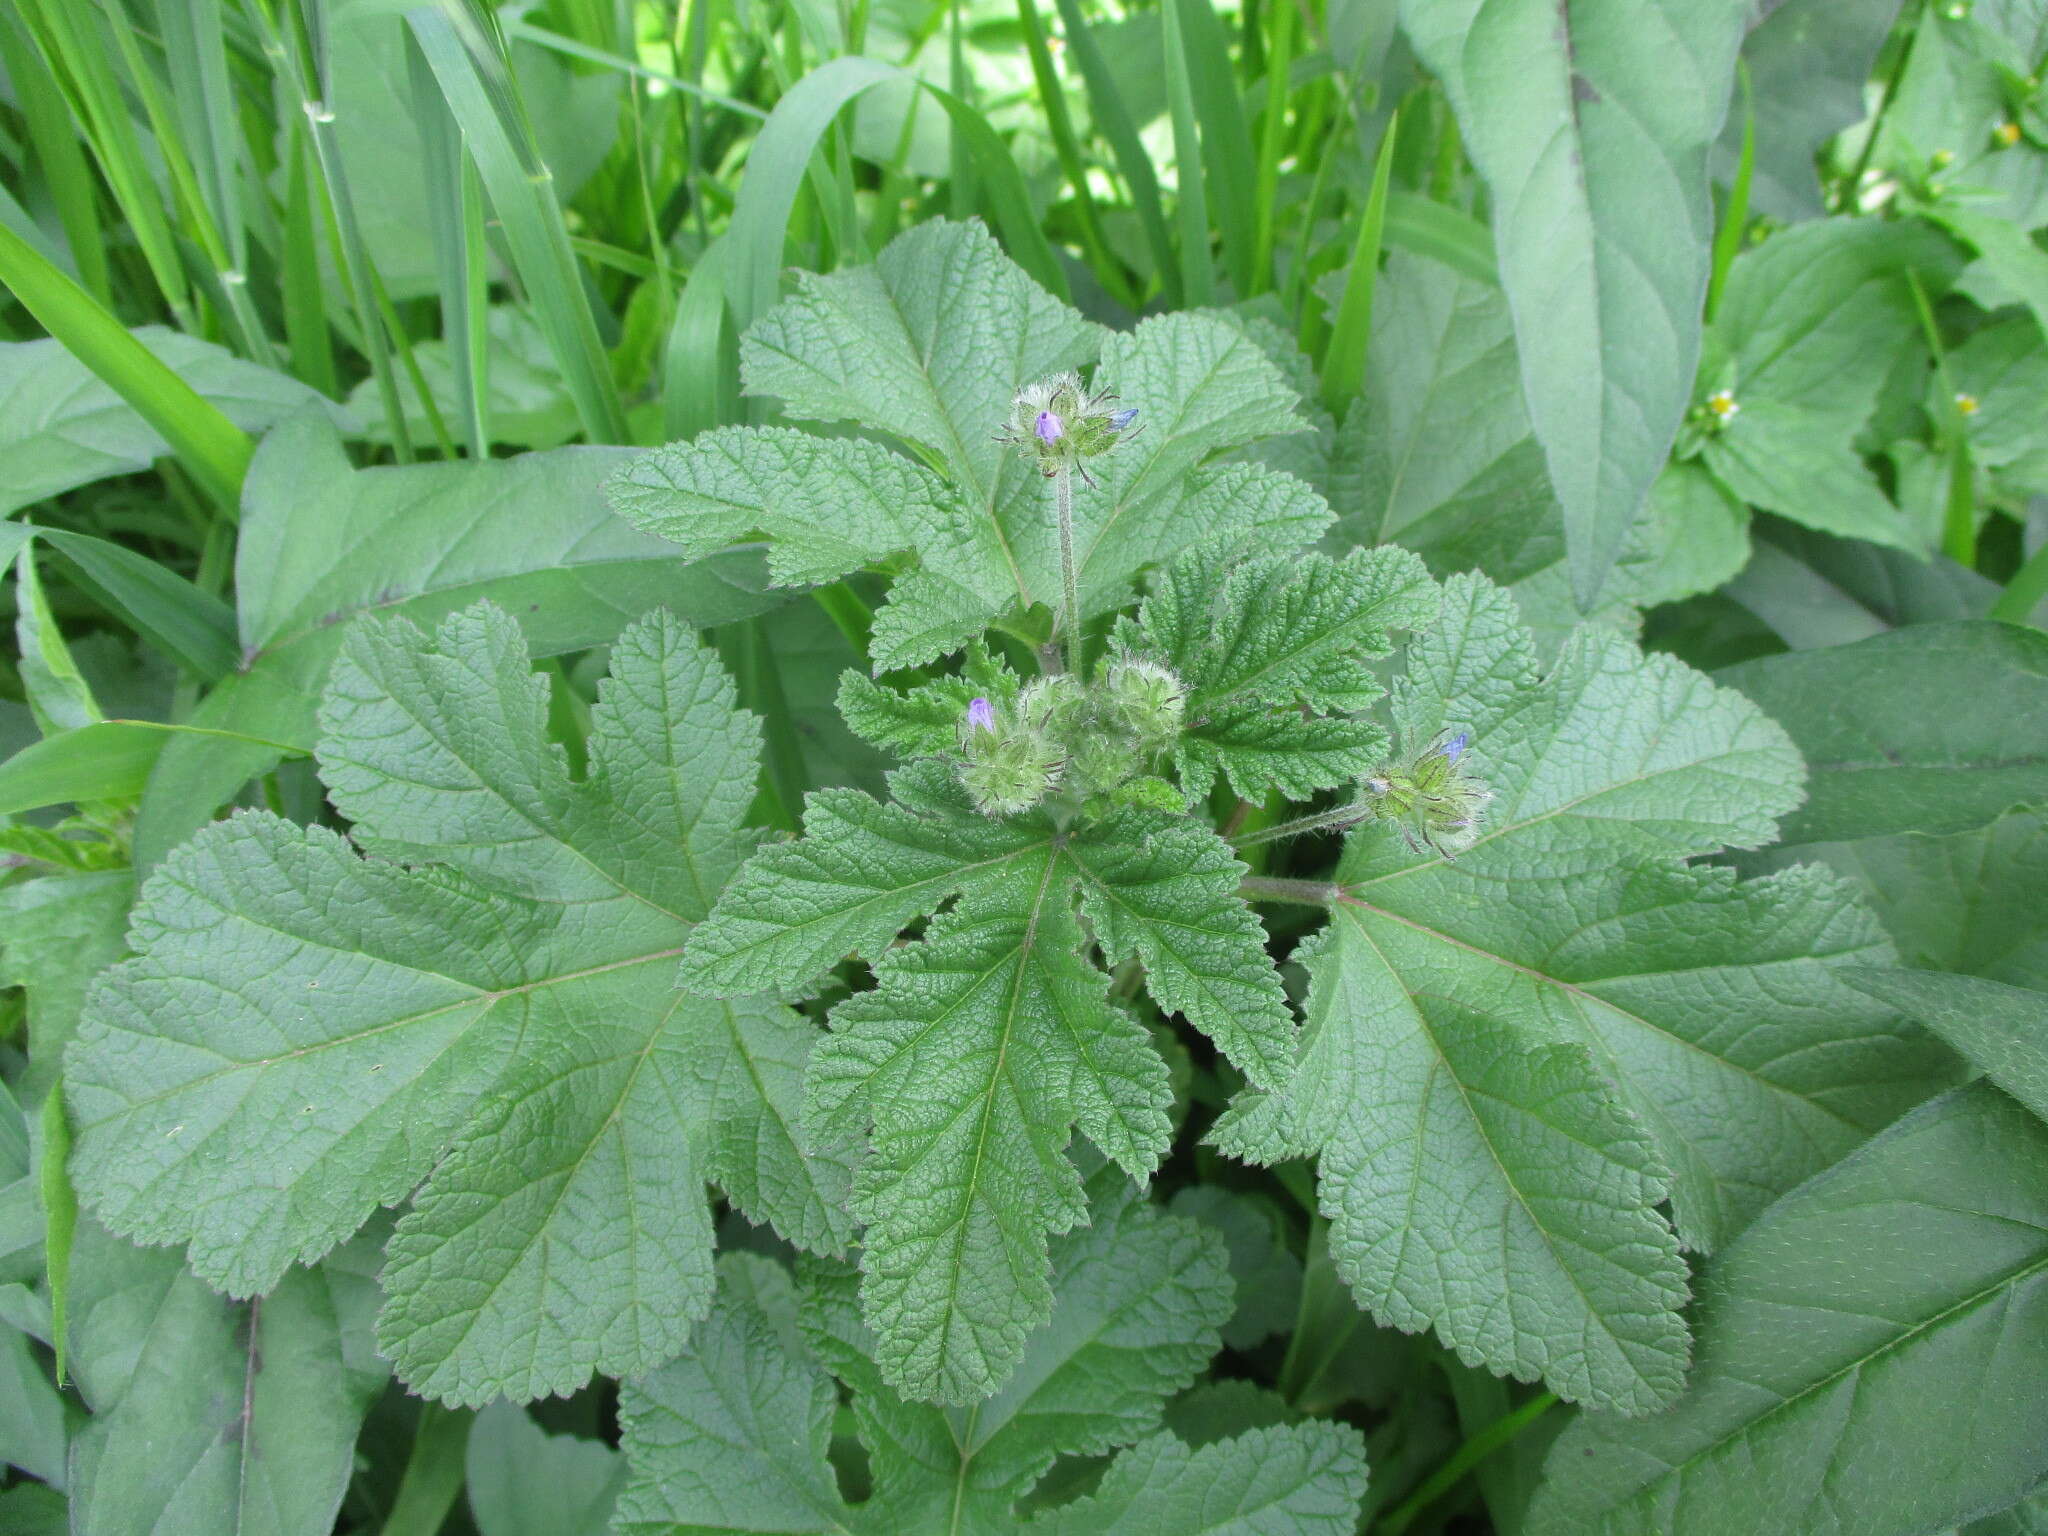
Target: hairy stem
pixel 1309 893
pixel 1337 816
pixel 1070 581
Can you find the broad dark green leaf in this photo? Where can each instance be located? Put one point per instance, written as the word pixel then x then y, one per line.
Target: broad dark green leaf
pixel 1808 63
pixel 1512 1060
pixel 64 428
pixel 2001 1030
pixel 1936 728
pixel 1439 455
pixel 733 1435
pixel 212 1415
pixel 1871 1353
pixel 522 1481
pixel 501 1015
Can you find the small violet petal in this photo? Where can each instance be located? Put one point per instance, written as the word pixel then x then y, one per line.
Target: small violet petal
pixel 1455 747
pixel 1048 427
pixel 1118 420
pixel 981 716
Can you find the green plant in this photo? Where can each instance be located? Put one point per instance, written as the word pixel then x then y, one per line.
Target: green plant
pixel 1307 799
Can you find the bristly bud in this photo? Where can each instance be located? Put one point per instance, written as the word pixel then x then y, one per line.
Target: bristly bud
pixel 1149 697
pixel 1007 765
pixel 1430 798
pixel 1059 425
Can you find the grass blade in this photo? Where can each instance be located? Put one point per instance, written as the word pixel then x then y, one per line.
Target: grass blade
pixel 1197 272
pixel 482 95
pixel 1344 358
pixel 455 212
pixel 57 152
pixel 781 154
pixel 1227 158
pixel 1735 218
pixel 1113 118
pixel 1061 126
pixel 1431 229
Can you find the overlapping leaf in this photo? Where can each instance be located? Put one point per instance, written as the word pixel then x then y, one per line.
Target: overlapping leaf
pixel 1591 121
pixel 734 1434
pixel 1809 327
pixel 1912 1275
pixel 1273 650
pixel 1512 1059
pixel 986 1042
pixel 1438 454
pixel 306 1034
pixel 928 346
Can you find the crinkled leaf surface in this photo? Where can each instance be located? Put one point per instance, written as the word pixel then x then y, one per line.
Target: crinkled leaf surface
pixel 1259 639
pixel 322 542
pixel 774 482
pixel 1512 1059
pixel 1284 1480
pixel 984 1043
pixel 1591 121
pixel 306 1034
pixel 733 1435
pixel 1914 1277
pixel 929 346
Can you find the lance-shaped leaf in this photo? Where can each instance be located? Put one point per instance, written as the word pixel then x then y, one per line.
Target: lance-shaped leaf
pixel 305 1034
pixel 734 1434
pixel 1912 1275
pixel 988 1040
pixel 1273 651
pixel 238 1419
pixel 1512 1059
pixel 1591 121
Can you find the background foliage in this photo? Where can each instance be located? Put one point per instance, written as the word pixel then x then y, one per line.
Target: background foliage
pixel 529 464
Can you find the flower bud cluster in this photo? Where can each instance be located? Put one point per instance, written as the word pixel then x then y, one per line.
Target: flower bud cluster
pixel 1059 426
pixel 1431 797
pixel 1094 743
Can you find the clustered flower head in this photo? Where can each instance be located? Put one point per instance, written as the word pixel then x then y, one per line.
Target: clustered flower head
pixel 1059 426
pixel 1430 798
pixel 1006 765
pixel 1094 743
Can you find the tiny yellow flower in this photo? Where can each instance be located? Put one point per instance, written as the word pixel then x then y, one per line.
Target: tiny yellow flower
pixel 1723 404
pixel 1967 404
pixel 2007 135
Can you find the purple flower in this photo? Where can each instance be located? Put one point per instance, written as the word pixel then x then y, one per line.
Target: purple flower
pixel 1455 747
pixel 1118 420
pixel 1048 427
pixel 981 716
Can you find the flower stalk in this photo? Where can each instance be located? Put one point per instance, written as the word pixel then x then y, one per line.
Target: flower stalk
pixel 1070 578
